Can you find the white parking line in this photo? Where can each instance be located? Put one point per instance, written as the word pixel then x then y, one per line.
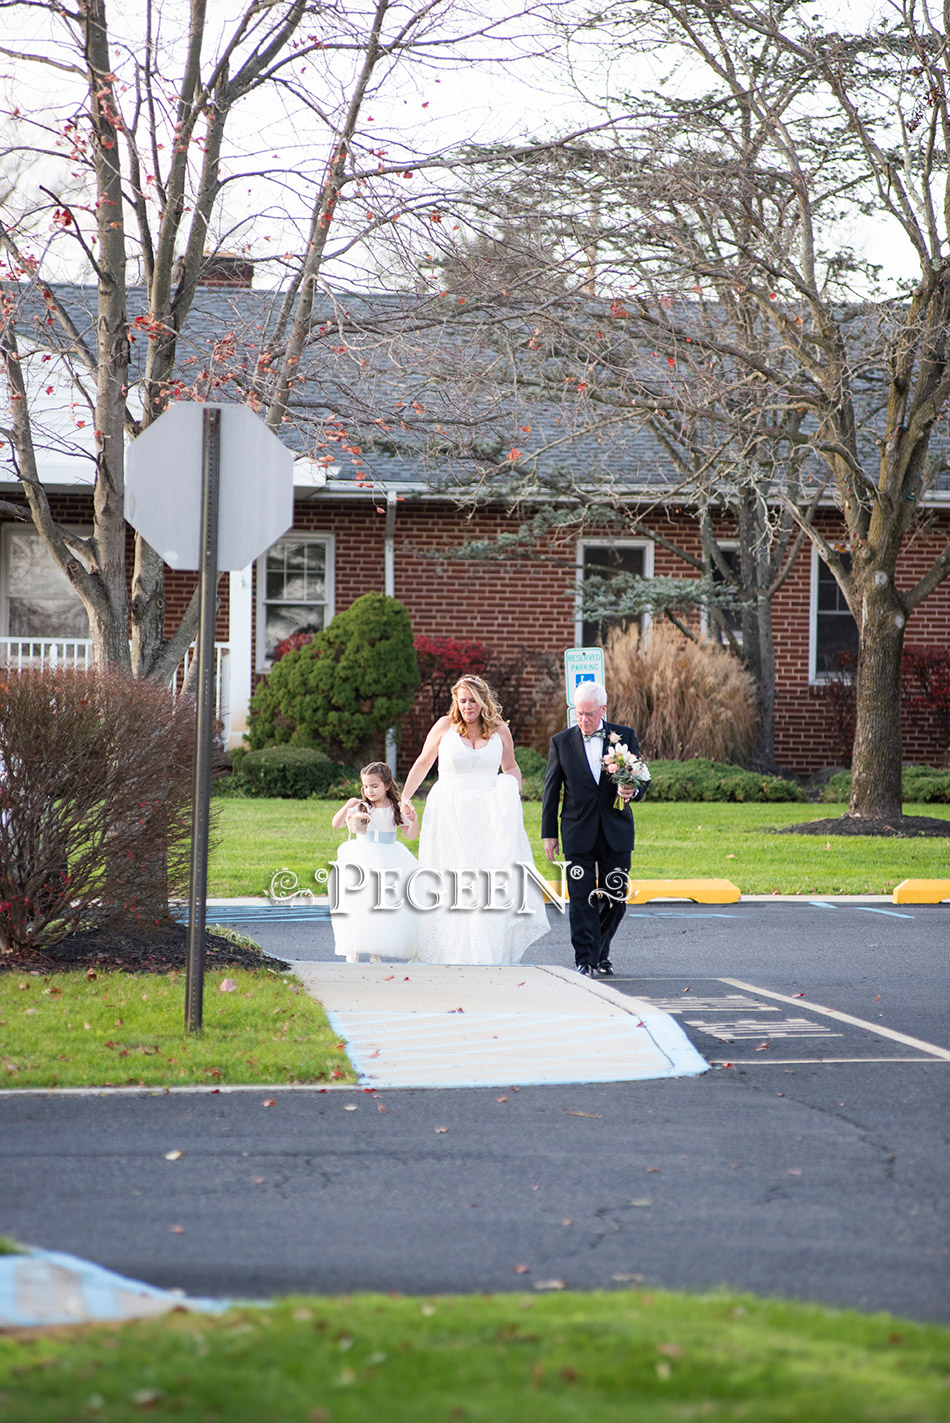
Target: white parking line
pixel 931 1048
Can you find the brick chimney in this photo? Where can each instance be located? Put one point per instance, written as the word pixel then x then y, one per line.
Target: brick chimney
pixel 225 269
pixel 222 269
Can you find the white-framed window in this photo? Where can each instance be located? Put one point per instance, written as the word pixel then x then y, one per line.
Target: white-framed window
pixel 729 548
pixel 601 558
pixel 36 597
pixel 833 633
pixel 294 590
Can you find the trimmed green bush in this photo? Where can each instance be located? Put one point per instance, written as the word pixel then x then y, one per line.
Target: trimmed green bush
pixel 345 688
pixel 288 772
pixel 699 779
pixel 530 762
pixel 924 785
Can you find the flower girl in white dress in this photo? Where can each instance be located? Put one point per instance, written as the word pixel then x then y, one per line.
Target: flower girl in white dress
pixel 364 865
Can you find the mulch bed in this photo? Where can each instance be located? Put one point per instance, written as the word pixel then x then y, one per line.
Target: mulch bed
pixel 162 952
pixel 903 827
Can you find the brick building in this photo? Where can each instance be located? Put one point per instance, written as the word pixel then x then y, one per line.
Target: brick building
pixel 369 521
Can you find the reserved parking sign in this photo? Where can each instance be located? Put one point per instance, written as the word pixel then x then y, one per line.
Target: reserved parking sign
pixel 582 664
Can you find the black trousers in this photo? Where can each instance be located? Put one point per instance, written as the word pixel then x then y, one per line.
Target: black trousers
pixel 597 889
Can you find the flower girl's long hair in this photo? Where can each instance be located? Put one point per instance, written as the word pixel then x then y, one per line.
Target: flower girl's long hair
pixel 382 770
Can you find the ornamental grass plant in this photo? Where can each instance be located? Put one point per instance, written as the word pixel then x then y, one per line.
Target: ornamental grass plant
pixel 685 698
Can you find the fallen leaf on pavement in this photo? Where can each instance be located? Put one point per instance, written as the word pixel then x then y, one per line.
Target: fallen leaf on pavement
pixel 568 1220
pixel 501 1099
pixel 522 1269
pixel 172 1155
pixel 349 1108
pixel 760 1047
pixel 795 1171
pixel 176 1230
pixel 440 1130
pixel 269 1102
pixel 629 1279
pixel 569 1113
pixel 642 1201
pixel 550 1285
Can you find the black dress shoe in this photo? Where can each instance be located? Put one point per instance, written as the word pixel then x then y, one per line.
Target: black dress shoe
pixel 605 969
pixel 586 970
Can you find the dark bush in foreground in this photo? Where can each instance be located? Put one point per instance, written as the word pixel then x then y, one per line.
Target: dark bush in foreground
pixel 923 785
pixel 700 779
pixel 288 772
pixel 95 788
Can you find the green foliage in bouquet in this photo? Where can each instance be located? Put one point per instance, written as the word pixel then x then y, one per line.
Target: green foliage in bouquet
pixel 345 688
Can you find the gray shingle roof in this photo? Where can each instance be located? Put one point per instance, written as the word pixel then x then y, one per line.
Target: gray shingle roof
pixel 405 389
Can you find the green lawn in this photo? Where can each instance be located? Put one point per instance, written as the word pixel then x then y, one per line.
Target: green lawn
pixel 641 1357
pixel 118 1030
pixel 675 840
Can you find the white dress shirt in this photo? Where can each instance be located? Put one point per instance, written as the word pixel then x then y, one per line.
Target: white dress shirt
pixel 595 751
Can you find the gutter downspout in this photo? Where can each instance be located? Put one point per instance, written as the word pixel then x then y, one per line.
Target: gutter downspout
pixel 389 588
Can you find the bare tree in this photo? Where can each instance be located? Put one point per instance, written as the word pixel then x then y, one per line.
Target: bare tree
pixel 735 315
pixel 146 159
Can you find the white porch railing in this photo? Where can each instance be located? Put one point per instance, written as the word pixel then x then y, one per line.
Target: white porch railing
pixel 19 652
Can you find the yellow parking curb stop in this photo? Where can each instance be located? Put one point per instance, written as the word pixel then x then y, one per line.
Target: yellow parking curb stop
pixel 701 891
pixel 921 891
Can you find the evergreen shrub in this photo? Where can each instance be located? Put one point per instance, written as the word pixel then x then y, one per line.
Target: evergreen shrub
pixel 288 772
pixel 530 762
pixel 345 688
pixel 699 779
pixel 923 785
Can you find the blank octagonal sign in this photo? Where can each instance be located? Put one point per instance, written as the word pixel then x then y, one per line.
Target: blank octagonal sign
pixel 163 486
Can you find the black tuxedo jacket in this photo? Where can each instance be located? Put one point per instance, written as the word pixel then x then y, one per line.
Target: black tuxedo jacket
pixel 588 805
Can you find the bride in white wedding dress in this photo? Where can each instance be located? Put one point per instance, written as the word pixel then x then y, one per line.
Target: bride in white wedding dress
pixel 473 822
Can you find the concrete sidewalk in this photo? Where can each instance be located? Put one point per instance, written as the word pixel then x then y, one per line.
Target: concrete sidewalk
pixel 40 1288
pixel 415 1025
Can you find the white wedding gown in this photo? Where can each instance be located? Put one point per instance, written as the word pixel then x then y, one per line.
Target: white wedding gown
pixel 473 821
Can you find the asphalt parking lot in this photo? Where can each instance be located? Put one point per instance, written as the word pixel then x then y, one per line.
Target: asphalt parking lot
pixel 813 1165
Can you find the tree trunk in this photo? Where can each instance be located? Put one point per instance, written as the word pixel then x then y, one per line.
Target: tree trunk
pixel 876 764
pixel 760 661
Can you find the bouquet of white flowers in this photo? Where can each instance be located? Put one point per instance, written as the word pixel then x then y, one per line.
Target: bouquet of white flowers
pixel 625 769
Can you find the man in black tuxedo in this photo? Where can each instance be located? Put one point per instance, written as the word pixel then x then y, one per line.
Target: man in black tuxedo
pixel 596 838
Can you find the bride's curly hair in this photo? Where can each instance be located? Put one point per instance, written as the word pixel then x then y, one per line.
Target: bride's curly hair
pixel 490 717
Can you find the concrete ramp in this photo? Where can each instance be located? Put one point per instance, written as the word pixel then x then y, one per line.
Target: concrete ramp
pixel 413 1025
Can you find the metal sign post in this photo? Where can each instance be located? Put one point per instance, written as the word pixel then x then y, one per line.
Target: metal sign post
pixel 192 464
pixel 204 718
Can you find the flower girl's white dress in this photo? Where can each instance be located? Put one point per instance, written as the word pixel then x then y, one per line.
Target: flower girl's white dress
pixel 358 926
pixel 473 821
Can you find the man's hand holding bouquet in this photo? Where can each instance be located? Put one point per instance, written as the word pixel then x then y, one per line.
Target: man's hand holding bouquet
pixel 626 769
